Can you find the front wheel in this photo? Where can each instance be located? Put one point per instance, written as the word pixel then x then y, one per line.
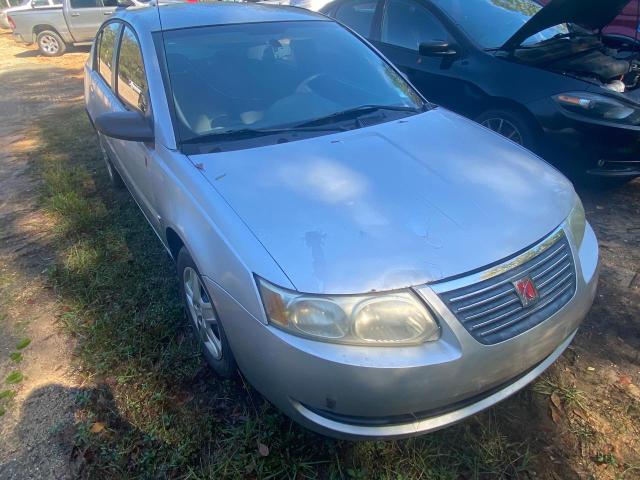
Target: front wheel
pixel 50 44
pixel 204 317
pixel 511 125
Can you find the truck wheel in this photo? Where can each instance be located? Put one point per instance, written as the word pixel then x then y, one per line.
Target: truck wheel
pixel 50 44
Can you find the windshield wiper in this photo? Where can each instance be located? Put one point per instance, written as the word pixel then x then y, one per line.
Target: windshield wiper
pixel 358 111
pixel 241 133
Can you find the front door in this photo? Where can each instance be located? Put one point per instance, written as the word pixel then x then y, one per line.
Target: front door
pixel 405 25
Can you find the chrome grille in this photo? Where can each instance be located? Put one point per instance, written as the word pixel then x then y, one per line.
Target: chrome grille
pixel 492 311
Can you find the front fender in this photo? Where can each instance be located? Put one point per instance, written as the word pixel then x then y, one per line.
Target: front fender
pixel 222 246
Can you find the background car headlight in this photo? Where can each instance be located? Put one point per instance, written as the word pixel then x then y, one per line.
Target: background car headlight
pixel 577 222
pixel 599 107
pixel 398 318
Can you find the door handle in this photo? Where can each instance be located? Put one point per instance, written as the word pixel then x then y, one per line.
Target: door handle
pixel 75 14
pixel 107 13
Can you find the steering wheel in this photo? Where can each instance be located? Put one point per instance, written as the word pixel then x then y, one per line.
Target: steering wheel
pixel 303 86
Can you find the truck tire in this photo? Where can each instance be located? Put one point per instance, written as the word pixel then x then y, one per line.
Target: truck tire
pixel 50 43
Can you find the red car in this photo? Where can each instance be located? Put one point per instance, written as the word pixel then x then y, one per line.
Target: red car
pixel 626 24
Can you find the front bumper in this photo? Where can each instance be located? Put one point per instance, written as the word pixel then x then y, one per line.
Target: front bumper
pixel 601 149
pixel 379 392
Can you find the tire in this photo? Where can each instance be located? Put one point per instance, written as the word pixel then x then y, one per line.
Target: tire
pixel 511 125
pixel 50 44
pixel 114 177
pixel 204 317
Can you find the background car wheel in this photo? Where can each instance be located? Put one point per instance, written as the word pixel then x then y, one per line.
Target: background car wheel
pixel 114 177
pixel 511 125
pixel 204 317
pixel 50 44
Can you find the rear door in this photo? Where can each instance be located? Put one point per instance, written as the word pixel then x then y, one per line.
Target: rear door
pixel 101 96
pixel 137 162
pixel 84 17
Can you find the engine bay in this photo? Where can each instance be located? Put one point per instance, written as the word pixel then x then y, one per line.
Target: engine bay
pixel 610 62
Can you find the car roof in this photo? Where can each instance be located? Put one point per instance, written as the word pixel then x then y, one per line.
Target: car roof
pixel 186 15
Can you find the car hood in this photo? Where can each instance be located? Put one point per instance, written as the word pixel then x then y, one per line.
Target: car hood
pixel 591 14
pixel 393 205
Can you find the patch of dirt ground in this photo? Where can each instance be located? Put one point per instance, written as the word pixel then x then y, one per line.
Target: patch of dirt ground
pixel 37 389
pixel 583 421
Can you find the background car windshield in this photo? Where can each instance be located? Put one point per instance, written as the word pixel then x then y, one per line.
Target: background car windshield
pixel 492 22
pixel 274 75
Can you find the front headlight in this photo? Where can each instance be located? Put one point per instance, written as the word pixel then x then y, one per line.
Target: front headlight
pixel 599 107
pixel 397 318
pixel 577 222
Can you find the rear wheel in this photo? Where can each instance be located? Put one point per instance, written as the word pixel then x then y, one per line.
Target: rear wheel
pixel 509 124
pixel 50 43
pixel 204 317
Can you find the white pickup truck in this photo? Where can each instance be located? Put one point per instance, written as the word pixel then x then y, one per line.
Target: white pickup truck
pixel 54 29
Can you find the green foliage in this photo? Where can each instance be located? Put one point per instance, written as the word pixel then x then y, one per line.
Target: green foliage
pixel 14 377
pixel 22 344
pixel 16 357
pixel 7 395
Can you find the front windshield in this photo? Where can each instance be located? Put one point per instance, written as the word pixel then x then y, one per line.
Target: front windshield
pixel 491 23
pixel 270 75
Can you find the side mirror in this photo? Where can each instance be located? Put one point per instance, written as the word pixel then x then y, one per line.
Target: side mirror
pixel 130 126
pixel 437 48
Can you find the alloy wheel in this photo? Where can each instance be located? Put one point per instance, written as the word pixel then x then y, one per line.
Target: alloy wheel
pixel 49 44
pixel 505 128
pixel 202 312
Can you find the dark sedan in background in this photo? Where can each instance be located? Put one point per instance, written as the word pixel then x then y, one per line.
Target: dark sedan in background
pixel 545 77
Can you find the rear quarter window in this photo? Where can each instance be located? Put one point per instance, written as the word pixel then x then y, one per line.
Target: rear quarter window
pixel 85 4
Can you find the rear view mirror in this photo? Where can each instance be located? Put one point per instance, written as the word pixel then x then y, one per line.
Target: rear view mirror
pixel 437 48
pixel 130 126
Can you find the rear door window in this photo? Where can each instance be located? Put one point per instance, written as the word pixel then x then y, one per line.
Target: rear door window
pixel 358 15
pixel 132 81
pixel 105 48
pixel 85 4
pixel 407 24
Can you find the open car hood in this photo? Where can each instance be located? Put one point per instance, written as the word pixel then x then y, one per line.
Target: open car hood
pixel 590 14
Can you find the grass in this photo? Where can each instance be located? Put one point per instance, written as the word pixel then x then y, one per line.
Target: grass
pixel 13 378
pixel 22 344
pixel 569 395
pixel 161 411
pixel 15 357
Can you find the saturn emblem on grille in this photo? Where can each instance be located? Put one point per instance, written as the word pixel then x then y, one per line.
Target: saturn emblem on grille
pixel 527 291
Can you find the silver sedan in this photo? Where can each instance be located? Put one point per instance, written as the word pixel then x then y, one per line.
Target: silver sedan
pixel 376 266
